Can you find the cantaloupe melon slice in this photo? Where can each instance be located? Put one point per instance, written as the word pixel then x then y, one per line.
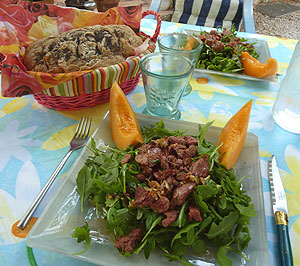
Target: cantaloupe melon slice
pixel 191 44
pixel 124 126
pixel 233 136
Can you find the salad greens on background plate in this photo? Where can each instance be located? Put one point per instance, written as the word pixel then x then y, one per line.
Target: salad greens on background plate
pixel 54 229
pixel 261 52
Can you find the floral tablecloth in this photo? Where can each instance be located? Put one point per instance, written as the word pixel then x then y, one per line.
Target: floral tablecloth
pixel 33 140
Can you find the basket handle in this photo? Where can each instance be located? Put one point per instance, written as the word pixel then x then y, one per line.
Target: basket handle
pixel 2 57
pixel 158 24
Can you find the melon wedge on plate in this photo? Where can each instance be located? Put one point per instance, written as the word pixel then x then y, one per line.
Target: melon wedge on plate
pixel 124 126
pixel 233 136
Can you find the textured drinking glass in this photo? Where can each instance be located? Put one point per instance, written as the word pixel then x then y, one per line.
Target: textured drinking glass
pixel 165 77
pixel 286 109
pixel 175 43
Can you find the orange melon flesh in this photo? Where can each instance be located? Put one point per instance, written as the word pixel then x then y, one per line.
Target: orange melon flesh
pixel 190 44
pixel 233 136
pixel 124 126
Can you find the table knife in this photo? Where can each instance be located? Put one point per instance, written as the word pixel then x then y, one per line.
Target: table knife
pixel 280 212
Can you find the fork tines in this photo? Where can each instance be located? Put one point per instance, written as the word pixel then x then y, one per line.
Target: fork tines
pixel 83 128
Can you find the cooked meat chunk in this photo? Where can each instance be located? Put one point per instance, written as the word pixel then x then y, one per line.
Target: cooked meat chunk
pixel 140 195
pixel 194 214
pixel 181 176
pixel 176 139
pixel 161 205
pixel 226 32
pixel 171 217
pixel 213 32
pixel 147 171
pixel 182 192
pixel 126 243
pixel 201 167
pixel 189 140
pixel 154 155
pixel 144 148
pixel 141 159
pixel 141 177
pixel 143 198
pixel 190 151
pixel 217 46
pixel 126 158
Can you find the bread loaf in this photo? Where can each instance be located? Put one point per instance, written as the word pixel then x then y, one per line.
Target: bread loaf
pixel 82 49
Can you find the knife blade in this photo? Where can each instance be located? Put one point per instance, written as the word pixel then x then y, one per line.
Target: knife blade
pixel 280 212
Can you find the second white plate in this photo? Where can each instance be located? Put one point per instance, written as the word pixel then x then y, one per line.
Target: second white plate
pixel 262 49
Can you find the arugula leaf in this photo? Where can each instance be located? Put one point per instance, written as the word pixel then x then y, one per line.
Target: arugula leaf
pixel 143 244
pixel 205 223
pixel 155 223
pixel 83 183
pixel 151 217
pixel 207 191
pixel 149 247
pixel 181 216
pixel 111 176
pixel 242 235
pixel 212 209
pixel 93 146
pixel 119 220
pixel 127 177
pixel 164 234
pixel 158 131
pixel 183 231
pixel 238 252
pixel 98 186
pixel 199 246
pixel 202 132
pixel 222 259
pixel 246 210
pixel 111 202
pixel 172 257
pixel 82 234
pixel 222 203
pixel 200 203
pixel 224 226
pixel 179 249
pixel 190 237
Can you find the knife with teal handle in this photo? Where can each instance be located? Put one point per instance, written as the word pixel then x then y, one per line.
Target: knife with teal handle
pixel 281 213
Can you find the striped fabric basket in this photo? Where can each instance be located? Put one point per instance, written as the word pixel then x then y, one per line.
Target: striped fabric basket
pixel 93 88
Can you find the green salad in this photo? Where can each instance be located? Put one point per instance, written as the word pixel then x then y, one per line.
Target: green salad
pixel 222 50
pixel 168 194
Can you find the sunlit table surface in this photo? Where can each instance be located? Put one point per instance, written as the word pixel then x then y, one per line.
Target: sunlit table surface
pixel 33 139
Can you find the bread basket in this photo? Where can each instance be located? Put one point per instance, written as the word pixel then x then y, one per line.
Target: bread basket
pixel 65 91
pixel 93 88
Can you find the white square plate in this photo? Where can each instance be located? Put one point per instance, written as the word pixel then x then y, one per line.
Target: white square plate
pixel 262 49
pixel 53 230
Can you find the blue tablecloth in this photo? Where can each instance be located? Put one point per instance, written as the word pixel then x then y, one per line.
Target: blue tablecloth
pixel 33 139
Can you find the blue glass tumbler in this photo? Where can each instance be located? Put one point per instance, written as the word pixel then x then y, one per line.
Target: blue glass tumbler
pixel 175 43
pixel 165 77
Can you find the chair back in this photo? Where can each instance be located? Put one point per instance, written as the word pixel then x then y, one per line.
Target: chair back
pixel 209 13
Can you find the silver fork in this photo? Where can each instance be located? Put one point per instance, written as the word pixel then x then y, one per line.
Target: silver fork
pixel 78 141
